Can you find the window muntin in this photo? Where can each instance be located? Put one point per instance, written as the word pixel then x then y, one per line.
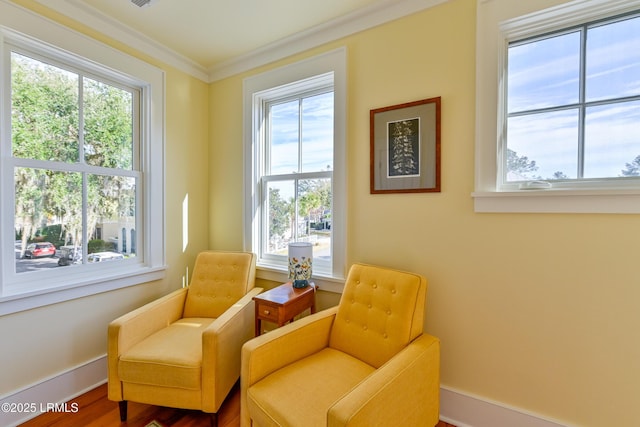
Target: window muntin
pixel 297 182
pixel 74 153
pixel 572 113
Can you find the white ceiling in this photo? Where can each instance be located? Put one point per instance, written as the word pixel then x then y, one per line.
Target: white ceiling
pixel 211 31
pixel 214 38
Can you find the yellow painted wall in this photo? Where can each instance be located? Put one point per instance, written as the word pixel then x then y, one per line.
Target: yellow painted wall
pixel 46 341
pixel 539 312
pixel 226 186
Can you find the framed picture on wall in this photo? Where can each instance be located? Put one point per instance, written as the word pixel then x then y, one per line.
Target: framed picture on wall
pixel 405 147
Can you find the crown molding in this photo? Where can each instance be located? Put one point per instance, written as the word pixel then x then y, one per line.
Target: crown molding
pixel 377 14
pixel 118 31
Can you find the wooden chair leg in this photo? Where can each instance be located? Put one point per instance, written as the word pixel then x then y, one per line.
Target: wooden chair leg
pixel 123 410
pixel 214 419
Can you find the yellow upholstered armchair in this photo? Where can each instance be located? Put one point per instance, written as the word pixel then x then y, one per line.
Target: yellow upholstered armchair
pixel 363 363
pixel 183 350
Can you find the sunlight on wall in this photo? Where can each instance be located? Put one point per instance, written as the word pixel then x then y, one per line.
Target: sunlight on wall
pixel 185 278
pixel 185 236
pixel 185 223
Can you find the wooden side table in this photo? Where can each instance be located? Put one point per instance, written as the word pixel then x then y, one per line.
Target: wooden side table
pixel 282 303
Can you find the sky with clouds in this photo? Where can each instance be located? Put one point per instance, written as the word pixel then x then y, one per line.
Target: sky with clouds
pixel 545 73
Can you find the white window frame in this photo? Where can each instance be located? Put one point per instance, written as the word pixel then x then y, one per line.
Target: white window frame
pixel 25 291
pixel 264 100
pixel 256 90
pixel 498 23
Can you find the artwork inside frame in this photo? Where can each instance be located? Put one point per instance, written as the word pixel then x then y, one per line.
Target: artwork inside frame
pixel 405 147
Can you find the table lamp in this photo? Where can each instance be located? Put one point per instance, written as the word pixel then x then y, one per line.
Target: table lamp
pixel 300 261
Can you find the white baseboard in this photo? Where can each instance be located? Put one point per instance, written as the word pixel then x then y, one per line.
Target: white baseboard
pixel 464 410
pixel 456 407
pixel 33 400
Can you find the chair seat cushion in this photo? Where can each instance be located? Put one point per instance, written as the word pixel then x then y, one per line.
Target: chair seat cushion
pixel 171 357
pixel 300 394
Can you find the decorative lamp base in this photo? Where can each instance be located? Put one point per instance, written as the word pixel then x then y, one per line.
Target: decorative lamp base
pixel 300 283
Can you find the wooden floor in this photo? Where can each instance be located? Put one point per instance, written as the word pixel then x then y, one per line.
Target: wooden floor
pixel 95 410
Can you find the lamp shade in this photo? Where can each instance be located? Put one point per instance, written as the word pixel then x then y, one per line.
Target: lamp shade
pixel 300 263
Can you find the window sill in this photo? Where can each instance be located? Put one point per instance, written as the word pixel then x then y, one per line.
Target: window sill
pixel 16 302
pixel 625 201
pixel 275 274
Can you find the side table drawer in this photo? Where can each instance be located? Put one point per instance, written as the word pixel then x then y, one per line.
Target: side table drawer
pixel 267 312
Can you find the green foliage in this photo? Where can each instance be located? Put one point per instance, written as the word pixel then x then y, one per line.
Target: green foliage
pixel 314 200
pixel 314 197
pixel 107 124
pixel 99 245
pixel 279 213
pixel 44 120
pixel 45 125
pixel 50 233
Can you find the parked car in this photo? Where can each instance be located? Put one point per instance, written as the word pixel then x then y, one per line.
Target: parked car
pixel 104 256
pixel 37 250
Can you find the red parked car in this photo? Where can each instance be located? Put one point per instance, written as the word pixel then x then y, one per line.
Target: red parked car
pixel 36 250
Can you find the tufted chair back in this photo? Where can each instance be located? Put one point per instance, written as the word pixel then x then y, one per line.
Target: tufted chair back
pixel 218 281
pixel 380 312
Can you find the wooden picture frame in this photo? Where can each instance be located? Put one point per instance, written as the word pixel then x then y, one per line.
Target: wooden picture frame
pixel 405 148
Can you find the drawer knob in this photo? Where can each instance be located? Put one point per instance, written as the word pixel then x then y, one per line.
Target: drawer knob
pixel 267 312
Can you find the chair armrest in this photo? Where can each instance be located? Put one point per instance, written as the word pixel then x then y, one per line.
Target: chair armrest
pixel 221 346
pixel 403 391
pixel 131 328
pixel 275 349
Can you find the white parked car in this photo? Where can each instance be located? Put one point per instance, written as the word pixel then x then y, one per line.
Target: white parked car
pixel 104 256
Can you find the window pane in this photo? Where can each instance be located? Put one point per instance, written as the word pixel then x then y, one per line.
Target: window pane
pixel 544 73
pixel 48 216
pixel 44 111
pixel 314 215
pixel 284 138
pixel 317 133
pixel 543 146
pixel 108 125
pixel 280 216
pixel 112 210
pixel 613 60
pixel 612 140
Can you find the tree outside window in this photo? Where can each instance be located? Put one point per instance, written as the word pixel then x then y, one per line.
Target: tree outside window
pixel 73 149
